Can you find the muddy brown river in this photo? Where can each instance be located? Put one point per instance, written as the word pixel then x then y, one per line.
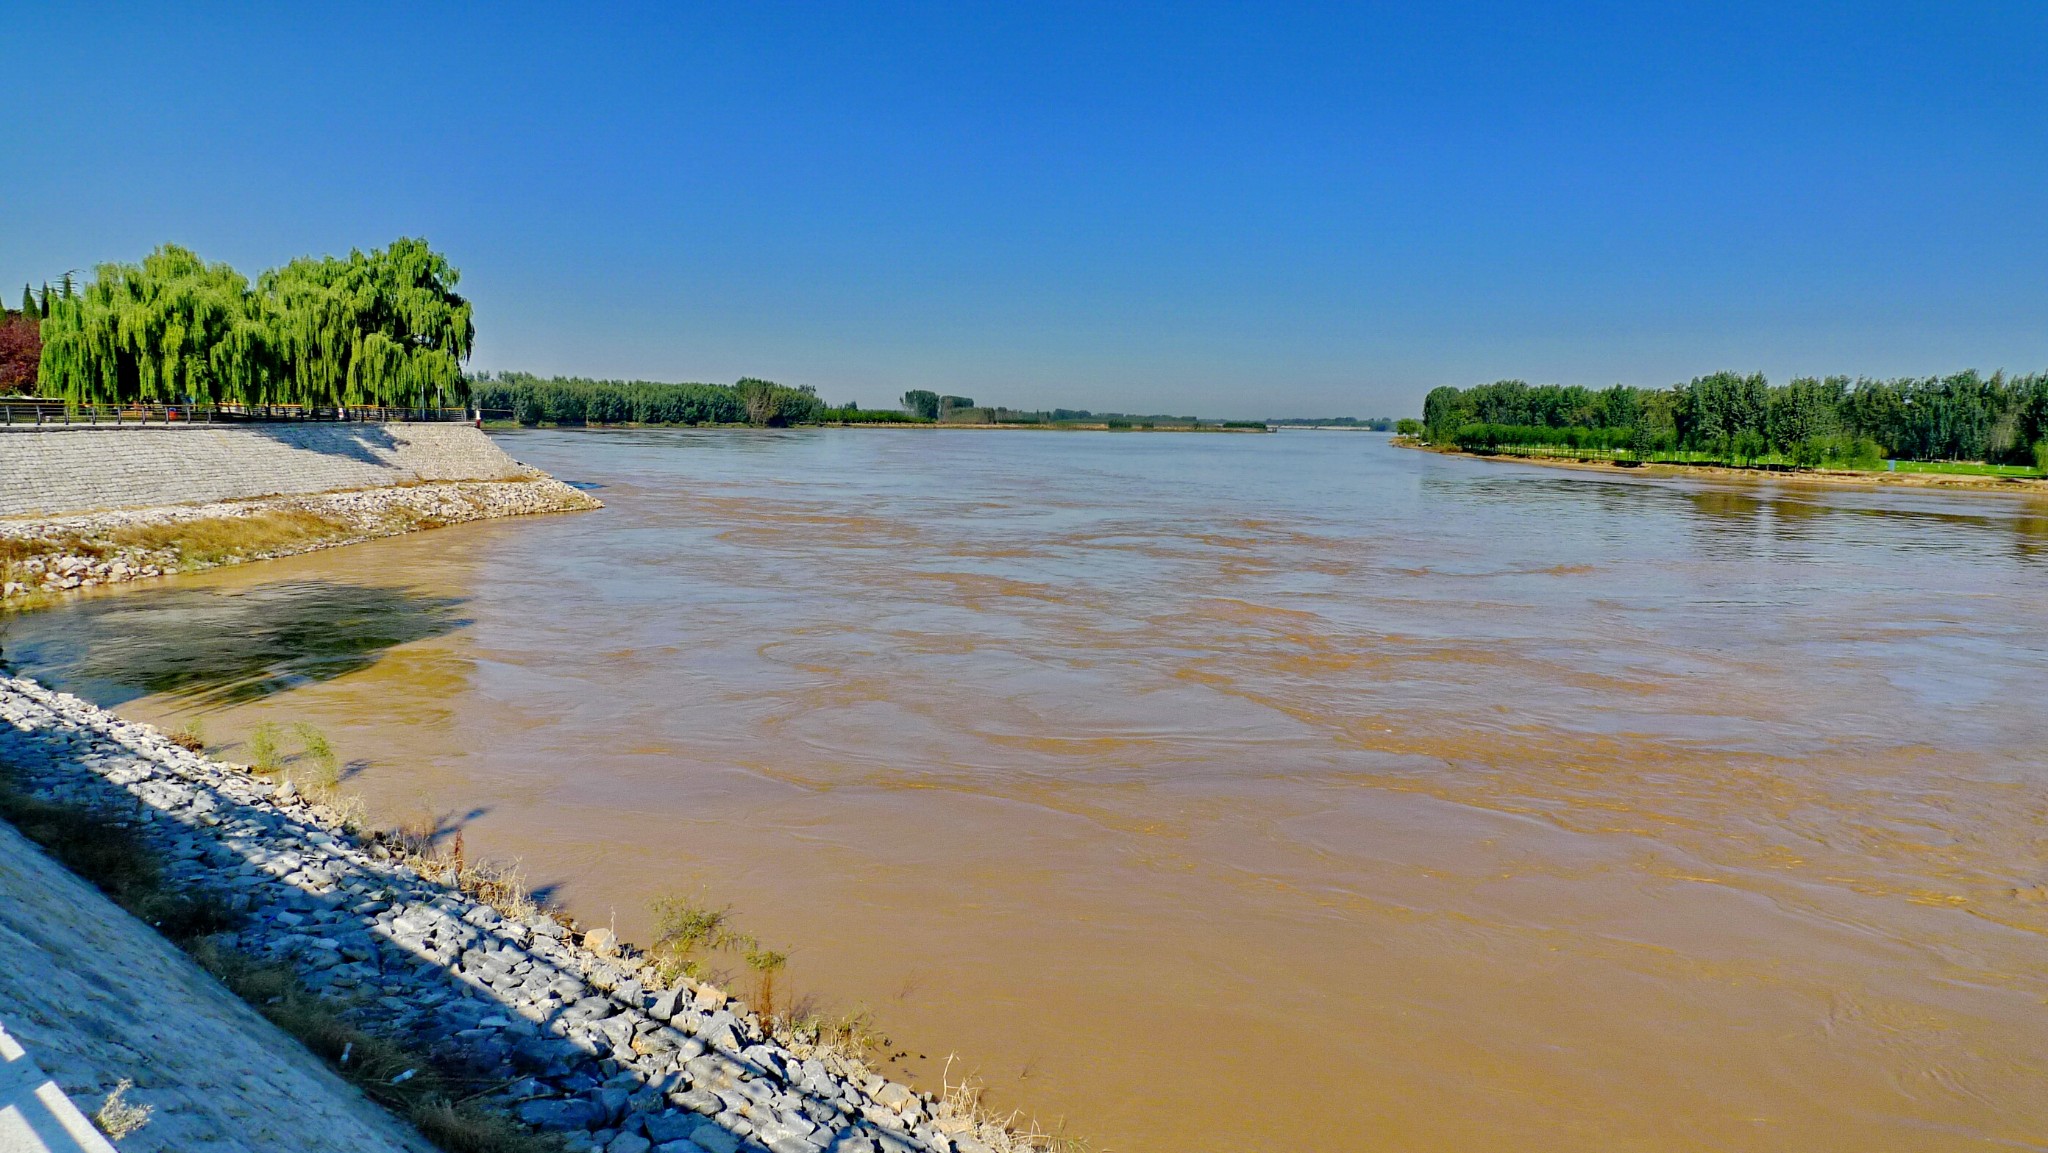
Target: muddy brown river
pixel 1289 792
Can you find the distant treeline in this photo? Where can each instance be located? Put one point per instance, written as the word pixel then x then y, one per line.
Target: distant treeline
pixel 1374 423
pixel 1965 416
pixel 380 328
pixel 533 400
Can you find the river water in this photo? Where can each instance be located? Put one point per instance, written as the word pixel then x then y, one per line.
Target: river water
pixel 1232 792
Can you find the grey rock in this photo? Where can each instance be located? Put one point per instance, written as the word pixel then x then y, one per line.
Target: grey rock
pixel 612 1104
pixel 671 1126
pixel 664 1005
pixel 559 1114
pixel 696 1100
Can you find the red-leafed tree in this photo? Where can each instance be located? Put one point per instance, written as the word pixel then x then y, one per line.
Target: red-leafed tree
pixel 21 349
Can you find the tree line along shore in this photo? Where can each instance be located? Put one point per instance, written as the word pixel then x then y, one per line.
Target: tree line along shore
pixel 529 400
pixel 386 330
pixel 1965 423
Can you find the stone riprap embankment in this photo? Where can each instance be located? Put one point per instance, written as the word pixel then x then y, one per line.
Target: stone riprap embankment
pixel 62 553
pixel 80 468
pixel 82 506
pixel 587 1043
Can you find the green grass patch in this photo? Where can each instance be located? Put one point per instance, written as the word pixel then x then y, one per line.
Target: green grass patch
pixel 1968 468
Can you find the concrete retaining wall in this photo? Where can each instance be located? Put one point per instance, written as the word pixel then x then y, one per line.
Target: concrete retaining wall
pixel 76 469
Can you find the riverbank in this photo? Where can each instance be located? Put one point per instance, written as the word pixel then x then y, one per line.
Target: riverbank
pixel 44 555
pixel 89 505
pixel 1009 426
pixel 571 1032
pixel 1854 478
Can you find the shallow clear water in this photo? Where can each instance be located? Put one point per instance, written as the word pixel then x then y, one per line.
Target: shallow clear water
pixel 1233 792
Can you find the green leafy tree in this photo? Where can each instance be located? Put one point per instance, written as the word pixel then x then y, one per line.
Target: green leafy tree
pixel 772 405
pixel 921 402
pixel 383 328
pixel 169 329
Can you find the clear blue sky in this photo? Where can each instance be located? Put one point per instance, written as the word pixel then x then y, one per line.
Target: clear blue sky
pixel 1232 210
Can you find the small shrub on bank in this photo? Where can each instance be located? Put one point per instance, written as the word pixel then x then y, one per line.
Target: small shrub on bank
pixel 189 736
pixel 684 932
pixel 117 1117
pixel 316 770
pixel 264 752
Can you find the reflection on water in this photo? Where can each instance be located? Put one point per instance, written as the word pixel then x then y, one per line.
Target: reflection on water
pixel 1282 792
pixel 212 647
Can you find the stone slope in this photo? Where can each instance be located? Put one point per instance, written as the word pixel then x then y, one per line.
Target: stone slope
pixel 54 554
pixel 77 468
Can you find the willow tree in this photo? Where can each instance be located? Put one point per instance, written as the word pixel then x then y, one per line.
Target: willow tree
pixel 386 328
pixel 172 329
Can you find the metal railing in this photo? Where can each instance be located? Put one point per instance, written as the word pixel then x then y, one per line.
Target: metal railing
pixel 38 412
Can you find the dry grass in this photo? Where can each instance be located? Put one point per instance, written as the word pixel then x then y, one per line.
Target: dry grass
pixel 190 736
pixel 212 540
pixel 117 1117
pixel 428 1095
pixel 501 885
pixel 850 1036
pixel 16 549
pixel 961 1112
